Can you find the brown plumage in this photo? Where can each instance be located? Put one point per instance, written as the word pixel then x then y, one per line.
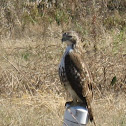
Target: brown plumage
pixel 75 74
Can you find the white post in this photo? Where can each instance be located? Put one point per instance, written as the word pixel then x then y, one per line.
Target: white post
pixel 75 116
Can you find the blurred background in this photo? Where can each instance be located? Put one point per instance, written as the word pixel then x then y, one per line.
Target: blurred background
pixel 31 50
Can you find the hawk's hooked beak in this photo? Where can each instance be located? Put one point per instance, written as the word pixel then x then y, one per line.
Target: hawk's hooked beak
pixel 62 39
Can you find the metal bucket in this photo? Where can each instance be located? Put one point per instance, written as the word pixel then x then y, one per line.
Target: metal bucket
pixel 75 116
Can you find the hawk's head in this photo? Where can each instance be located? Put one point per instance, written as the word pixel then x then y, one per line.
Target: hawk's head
pixel 70 37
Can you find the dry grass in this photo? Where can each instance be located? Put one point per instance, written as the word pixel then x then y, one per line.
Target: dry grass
pixel 30 90
pixel 43 109
pixel 30 52
pixel 31 93
pixel 46 109
pixel 110 110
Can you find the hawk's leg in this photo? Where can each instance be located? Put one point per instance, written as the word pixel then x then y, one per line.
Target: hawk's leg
pixel 68 103
pixel 73 103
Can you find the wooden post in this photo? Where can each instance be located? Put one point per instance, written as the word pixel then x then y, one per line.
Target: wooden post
pixel 75 116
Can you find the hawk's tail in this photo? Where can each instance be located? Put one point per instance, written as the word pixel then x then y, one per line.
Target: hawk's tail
pixel 91 117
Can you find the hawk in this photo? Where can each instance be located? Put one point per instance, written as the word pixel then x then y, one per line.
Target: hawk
pixel 74 73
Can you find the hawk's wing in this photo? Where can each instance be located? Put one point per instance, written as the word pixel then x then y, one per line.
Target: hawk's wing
pixel 86 79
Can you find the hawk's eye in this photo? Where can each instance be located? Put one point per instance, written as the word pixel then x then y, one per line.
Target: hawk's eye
pixel 64 34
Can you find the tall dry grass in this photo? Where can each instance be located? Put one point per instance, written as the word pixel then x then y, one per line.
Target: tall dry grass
pixel 30 52
pixel 31 93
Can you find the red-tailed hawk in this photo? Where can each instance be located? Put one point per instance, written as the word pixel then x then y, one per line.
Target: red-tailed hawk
pixel 74 73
